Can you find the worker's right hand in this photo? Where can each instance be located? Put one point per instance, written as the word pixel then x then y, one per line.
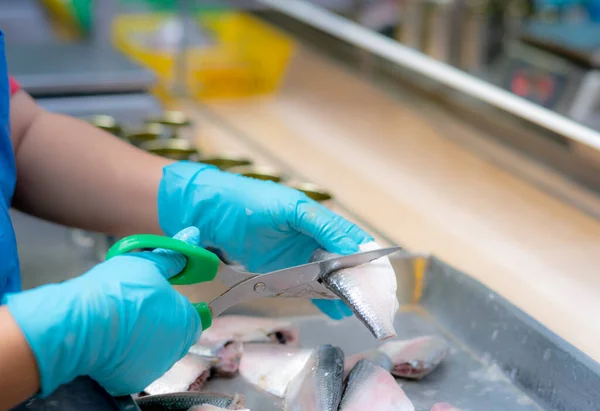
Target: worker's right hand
pixel 121 323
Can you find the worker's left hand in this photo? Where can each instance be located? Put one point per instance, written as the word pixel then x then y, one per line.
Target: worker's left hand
pixel 262 225
pixel 121 323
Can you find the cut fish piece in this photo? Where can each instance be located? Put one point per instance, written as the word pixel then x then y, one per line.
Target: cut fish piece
pixel 272 367
pixel 411 359
pixel 416 358
pixel 248 330
pixel 318 387
pixel 191 372
pixel 444 406
pixel 183 401
pixel 188 374
pixel 370 387
pixel 375 356
pixel 224 359
pixel 370 291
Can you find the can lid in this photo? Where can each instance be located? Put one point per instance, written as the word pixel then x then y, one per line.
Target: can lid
pixel 106 123
pixel 150 131
pixel 175 148
pixel 171 118
pixel 257 172
pixel 313 191
pixel 225 161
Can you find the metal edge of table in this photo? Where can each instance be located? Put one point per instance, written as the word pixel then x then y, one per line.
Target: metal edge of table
pixel 526 149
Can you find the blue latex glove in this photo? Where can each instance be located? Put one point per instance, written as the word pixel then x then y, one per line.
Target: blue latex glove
pixel 121 323
pixel 263 225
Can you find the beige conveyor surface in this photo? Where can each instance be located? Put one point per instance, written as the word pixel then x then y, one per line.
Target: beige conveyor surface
pixel 394 163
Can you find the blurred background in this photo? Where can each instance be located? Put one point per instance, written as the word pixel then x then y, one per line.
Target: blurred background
pixel 463 128
pixel 468 130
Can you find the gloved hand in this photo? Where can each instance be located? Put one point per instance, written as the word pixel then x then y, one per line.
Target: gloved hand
pixel 263 225
pixel 121 323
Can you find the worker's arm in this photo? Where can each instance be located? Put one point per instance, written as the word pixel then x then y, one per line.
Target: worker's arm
pixel 19 375
pixel 122 324
pixel 73 173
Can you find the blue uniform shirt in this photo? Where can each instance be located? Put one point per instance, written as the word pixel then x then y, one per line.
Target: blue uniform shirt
pixel 10 280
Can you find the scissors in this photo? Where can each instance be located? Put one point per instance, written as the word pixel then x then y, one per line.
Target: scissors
pixel 302 281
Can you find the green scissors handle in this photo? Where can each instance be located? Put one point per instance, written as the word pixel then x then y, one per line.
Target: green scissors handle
pixel 202 265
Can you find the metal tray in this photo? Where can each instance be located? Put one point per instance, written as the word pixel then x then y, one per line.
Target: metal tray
pixel 500 359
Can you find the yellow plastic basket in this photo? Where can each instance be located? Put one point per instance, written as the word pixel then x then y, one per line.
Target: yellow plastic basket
pixel 249 57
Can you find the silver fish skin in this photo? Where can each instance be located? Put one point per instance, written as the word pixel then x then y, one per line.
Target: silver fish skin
pixel 247 329
pixel 210 408
pixel 183 401
pixel 199 364
pixel 187 374
pixel 319 385
pixel 416 358
pixel 370 292
pixel 375 356
pixel 271 367
pixel 444 406
pixel 370 387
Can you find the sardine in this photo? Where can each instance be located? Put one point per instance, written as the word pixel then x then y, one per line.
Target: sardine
pixel 188 374
pixel 370 387
pixel 183 401
pixel 370 291
pixel 271 367
pixel 318 387
pixel 210 408
pixel 444 406
pixel 191 372
pixel 248 329
pixel 374 356
pixel 416 358
pixel 224 359
pixel 411 359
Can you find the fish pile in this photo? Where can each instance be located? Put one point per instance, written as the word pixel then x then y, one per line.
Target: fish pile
pixel 219 352
pixel 265 353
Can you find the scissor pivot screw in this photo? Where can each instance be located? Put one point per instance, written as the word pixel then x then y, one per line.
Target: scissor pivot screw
pixel 259 287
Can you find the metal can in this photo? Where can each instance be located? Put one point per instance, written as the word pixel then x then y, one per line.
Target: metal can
pixel 175 149
pixel 258 172
pixel 313 191
pixel 175 121
pixel 226 162
pixel 149 132
pixel 107 123
pixel 428 26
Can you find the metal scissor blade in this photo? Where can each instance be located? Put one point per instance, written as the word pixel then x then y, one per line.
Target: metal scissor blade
pixel 230 276
pixel 277 283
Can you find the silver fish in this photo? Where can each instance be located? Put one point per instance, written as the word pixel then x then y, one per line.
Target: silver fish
pixel 410 359
pixel 191 372
pixel 183 401
pixel 188 374
pixel 318 387
pixel 224 358
pixel 370 291
pixel 370 387
pixel 249 329
pixel 210 408
pixel 374 356
pixel 444 406
pixel 271 367
pixel 416 358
